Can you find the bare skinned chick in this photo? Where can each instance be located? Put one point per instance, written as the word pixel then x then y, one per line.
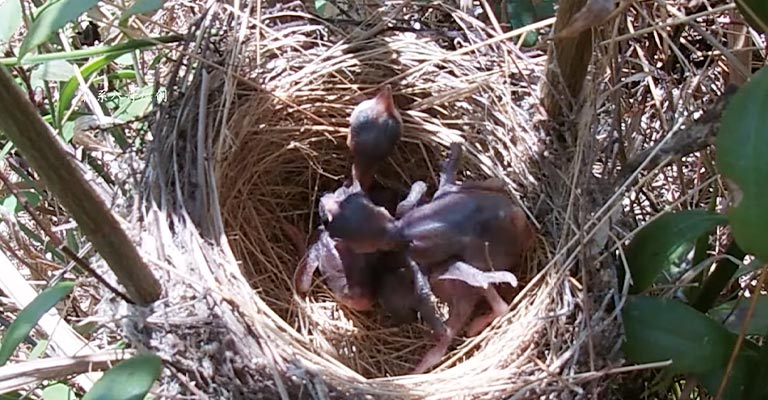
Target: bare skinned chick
pixel 375 128
pixel 465 239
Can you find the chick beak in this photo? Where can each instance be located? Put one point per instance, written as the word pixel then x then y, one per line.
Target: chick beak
pixel 385 103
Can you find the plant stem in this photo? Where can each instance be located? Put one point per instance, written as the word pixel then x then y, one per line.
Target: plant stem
pixel 743 332
pixel 21 123
pixel 121 48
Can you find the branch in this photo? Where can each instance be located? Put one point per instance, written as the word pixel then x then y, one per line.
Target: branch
pixel 31 135
pixel 58 242
pixel 691 139
pixel 567 63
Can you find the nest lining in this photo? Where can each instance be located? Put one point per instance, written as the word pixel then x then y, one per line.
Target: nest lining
pixel 534 350
pixel 282 109
pixel 287 148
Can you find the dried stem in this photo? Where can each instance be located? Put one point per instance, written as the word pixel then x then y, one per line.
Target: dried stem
pixel 21 123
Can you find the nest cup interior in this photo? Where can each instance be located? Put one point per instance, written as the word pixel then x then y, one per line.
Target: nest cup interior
pixel 287 147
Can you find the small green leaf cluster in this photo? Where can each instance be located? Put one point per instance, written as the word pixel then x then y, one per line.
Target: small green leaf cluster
pixel 60 71
pixel 696 334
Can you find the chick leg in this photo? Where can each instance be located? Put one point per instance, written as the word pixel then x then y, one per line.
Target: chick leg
pixel 498 309
pixel 320 248
pixel 425 306
pixel 448 171
pixel 302 278
pixel 409 203
pixel 451 165
pixel 461 303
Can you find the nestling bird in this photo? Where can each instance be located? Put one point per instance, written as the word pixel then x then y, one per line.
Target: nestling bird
pixel 463 240
pixel 375 127
pixel 355 278
pixel 345 272
pixel 395 287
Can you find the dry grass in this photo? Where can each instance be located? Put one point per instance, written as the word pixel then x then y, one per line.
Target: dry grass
pixel 291 83
pixel 255 133
pixel 292 156
pixel 276 123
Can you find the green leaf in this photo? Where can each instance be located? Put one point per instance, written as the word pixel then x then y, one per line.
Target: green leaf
pixel 28 317
pixel 125 59
pixel 120 48
pixel 54 15
pixel 742 145
pixel 325 9
pixel 68 131
pixel 10 19
pixel 7 148
pixel 320 6
pixel 49 247
pixel 755 12
pixel 123 74
pixel 72 240
pixel 39 350
pixel 700 257
pixel 525 12
pixel 136 105
pixel 141 7
pixel 749 267
pixel 663 329
pixel 757 390
pixel 33 198
pixel 719 279
pixel 86 328
pixel 733 313
pixel 662 244
pixel 129 380
pixel 70 88
pixel 59 391
pixel 13 205
pixel 56 70
pixel 738 380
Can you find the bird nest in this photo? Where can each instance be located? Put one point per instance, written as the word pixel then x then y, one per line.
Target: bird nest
pixel 256 134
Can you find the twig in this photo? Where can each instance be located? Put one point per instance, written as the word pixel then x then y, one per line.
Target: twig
pixel 444 32
pixel 58 243
pixel 568 60
pixel 358 38
pixel 20 375
pixel 690 384
pixel 663 25
pixel 743 331
pixel 31 135
pixel 688 140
